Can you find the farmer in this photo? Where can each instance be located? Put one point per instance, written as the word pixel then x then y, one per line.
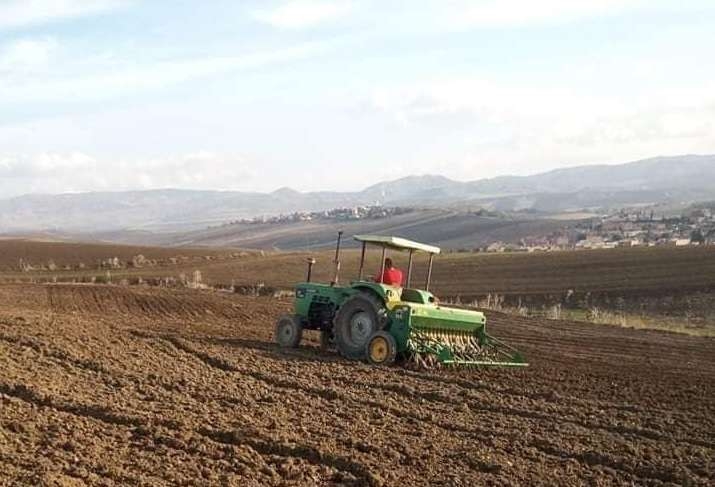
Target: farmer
pixel 392 276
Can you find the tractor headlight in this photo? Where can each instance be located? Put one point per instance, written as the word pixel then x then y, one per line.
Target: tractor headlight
pixel 300 292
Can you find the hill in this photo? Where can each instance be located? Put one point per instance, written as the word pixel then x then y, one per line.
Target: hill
pixel 447 228
pixel 680 179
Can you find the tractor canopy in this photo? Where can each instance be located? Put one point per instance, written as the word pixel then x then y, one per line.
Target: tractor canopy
pixel 397 243
pixel 400 244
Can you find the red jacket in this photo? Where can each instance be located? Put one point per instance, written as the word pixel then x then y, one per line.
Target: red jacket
pixel 391 277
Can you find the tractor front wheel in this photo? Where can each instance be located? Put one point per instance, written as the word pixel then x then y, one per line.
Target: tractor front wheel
pixel 289 331
pixel 381 349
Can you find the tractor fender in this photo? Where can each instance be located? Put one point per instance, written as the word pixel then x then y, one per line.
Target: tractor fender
pixel 387 294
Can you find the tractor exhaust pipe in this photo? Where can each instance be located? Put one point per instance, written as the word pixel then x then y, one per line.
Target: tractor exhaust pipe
pixel 336 279
pixel 311 263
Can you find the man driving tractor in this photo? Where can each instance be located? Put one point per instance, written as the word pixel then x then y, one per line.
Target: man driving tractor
pixel 392 276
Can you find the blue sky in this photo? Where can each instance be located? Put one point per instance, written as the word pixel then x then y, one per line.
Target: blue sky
pixel 313 94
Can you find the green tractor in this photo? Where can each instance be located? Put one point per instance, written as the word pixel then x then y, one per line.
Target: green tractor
pixel 385 323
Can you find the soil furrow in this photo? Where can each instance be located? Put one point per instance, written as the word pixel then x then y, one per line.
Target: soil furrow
pixel 112 385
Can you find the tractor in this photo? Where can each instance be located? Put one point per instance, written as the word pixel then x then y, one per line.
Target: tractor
pixel 370 320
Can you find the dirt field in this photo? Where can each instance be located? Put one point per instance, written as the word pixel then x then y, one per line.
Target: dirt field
pixel 668 288
pixel 39 253
pixel 105 385
pixel 465 274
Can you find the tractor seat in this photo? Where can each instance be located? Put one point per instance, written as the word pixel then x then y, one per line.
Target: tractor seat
pixel 416 296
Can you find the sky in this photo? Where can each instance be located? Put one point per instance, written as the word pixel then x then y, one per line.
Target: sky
pixel 100 95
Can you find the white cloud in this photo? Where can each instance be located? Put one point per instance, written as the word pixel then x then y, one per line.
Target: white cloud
pixel 493 128
pixel 58 172
pixel 301 14
pixel 25 55
pixel 131 79
pixel 518 13
pixel 44 164
pixel 22 13
pixel 566 107
pixel 481 100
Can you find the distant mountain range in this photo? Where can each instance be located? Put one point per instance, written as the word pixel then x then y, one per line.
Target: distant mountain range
pixel 678 179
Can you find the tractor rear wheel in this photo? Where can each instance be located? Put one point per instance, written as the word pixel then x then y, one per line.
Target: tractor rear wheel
pixel 381 349
pixel 289 331
pixel 356 321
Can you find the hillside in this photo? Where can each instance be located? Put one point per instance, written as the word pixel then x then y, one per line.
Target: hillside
pixel 688 172
pixel 153 210
pixel 659 179
pixel 680 179
pixel 449 229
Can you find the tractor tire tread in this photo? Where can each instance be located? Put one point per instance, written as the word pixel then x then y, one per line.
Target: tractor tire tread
pixel 297 335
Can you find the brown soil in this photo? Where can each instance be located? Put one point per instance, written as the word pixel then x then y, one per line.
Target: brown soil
pixel 133 386
pixel 654 270
pixel 38 253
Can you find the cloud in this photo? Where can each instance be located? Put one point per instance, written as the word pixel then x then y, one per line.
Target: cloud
pixel 121 80
pixel 565 106
pixel 302 14
pixel 519 13
pixel 59 172
pixel 659 124
pixel 23 13
pixel 26 55
pixel 42 164
pixel 477 99
pixel 493 128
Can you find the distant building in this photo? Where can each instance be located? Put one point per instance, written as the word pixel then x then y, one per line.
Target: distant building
pixel 562 241
pixel 496 247
pixel 591 242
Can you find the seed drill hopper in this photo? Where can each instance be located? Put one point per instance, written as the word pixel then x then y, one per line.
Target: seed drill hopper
pixel 368 319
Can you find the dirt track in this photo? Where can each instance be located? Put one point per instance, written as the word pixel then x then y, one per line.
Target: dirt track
pixel 120 386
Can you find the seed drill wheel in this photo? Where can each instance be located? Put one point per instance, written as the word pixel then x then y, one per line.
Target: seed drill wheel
pixel 381 349
pixel 356 321
pixel 289 331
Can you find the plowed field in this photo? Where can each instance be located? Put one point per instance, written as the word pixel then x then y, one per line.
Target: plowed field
pixel 131 386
